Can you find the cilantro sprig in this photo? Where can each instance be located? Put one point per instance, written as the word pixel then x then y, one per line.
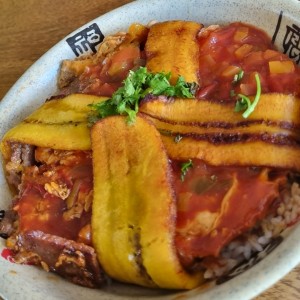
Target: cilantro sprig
pixel 184 168
pixel 238 77
pixel 244 103
pixel 138 84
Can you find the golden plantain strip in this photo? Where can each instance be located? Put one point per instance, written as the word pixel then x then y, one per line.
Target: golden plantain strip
pixel 112 229
pixel 278 108
pixel 172 47
pixel 177 128
pixel 57 124
pixel 133 226
pixel 253 153
pixel 73 108
pixel 56 136
pixel 188 116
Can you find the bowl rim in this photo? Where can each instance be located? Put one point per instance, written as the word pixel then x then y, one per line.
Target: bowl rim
pixel 286 254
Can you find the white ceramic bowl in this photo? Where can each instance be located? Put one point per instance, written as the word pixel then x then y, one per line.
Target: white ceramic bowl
pixel 39 82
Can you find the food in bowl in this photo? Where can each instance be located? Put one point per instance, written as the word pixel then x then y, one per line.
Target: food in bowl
pixel 177 158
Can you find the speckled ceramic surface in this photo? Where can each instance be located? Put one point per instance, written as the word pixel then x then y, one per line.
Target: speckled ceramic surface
pixel 278 18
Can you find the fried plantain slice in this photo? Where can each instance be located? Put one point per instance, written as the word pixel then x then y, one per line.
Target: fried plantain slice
pixel 279 109
pixel 172 47
pixel 134 208
pixel 252 153
pixel 57 124
pixel 215 133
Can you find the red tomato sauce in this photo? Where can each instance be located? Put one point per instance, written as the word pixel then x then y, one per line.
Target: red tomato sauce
pixel 39 209
pixel 216 204
pixel 105 78
pixel 225 51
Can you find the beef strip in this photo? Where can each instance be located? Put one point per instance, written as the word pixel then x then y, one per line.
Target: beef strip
pixel 27 155
pixel 22 155
pixel 74 261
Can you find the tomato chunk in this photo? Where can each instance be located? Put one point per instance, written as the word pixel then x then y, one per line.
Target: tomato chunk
pixel 239 46
pixel 105 78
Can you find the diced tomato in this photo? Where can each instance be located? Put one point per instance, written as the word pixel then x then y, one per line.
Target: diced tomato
pixel 253 61
pixel 230 71
pixel 123 61
pixel 118 65
pixel 270 54
pixel 101 89
pixel 85 235
pixel 281 67
pixel 243 50
pixel 7 254
pixel 107 89
pixel 241 46
pixel 105 78
pixel 247 89
pixel 241 34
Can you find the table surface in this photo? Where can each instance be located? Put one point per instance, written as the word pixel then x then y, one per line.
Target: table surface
pixel 28 28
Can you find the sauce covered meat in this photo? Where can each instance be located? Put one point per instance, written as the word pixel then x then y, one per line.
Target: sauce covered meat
pixel 54 213
pixel 56 196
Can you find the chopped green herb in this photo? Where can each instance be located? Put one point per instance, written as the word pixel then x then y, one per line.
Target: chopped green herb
pixel 244 103
pixel 178 138
pixel 138 84
pixel 237 77
pixel 185 167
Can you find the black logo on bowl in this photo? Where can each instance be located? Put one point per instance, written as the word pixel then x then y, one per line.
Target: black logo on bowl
pixel 247 264
pixel 291 40
pixel 86 40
